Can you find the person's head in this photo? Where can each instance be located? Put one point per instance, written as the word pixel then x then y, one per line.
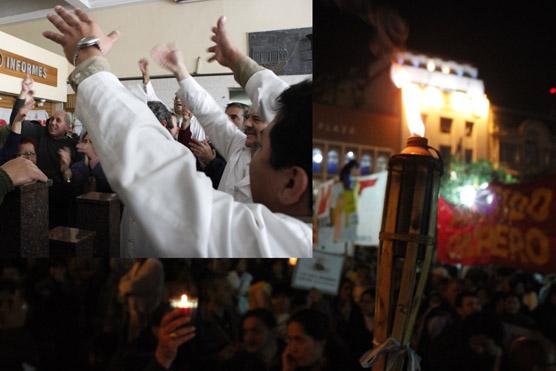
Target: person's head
pixel 527 355
pixel 236 112
pixel 367 302
pixel 449 289
pixel 253 125
pixel 467 303
pixel 346 290
pixel 164 116
pixel 280 170
pixel 28 149
pixel 347 173
pixel 308 332
pixel 59 124
pixel 216 290
pixel 180 109
pixel 512 304
pixel 258 330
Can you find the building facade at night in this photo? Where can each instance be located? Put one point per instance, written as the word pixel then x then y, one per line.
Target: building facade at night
pixel 451 101
pixel 522 143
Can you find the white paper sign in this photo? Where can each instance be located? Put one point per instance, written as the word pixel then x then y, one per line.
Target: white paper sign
pixel 323 272
pixel 370 203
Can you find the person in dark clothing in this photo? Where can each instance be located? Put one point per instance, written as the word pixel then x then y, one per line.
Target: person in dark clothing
pixel 312 346
pixel 260 347
pixel 87 173
pixel 55 153
pixel 545 314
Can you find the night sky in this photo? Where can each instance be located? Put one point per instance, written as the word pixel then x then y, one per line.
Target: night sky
pixel 514 47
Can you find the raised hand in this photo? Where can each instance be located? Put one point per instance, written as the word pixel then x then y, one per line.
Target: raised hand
pixel 65 158
pixel 171 335
pixel 26 86
pixel 74 28
pixel 203 151
pixel 224 52
pixel 144 68
pixel 170 58
pixel 22 171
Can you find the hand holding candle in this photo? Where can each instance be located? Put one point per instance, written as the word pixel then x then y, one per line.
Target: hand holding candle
pixel 188 306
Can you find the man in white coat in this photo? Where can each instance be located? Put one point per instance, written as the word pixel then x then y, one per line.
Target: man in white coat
pixel 145 165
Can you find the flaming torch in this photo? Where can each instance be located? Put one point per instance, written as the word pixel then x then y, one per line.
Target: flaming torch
pixel 406 239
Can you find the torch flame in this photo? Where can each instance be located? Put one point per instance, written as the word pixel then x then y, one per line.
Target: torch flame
pixel 411 96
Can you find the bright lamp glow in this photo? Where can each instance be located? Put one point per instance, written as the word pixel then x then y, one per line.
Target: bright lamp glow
pixel 350 155
pixel 460 102
pixel 467 195
pixel 431 66
pixel 317 158
pixel 432 97
pixel 480 105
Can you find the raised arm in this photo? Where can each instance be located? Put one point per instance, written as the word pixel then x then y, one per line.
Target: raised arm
pixel 146 166
pixel 262 85
pixel 225 136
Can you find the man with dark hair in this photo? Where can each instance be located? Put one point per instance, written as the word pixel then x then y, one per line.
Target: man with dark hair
pixel 198 221
pixel 164 116
pixel 237 112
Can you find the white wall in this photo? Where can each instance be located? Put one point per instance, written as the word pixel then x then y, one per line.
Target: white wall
pixel 189 25
pixel 217 86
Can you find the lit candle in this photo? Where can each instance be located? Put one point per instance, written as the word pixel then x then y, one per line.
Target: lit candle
pixel 187 305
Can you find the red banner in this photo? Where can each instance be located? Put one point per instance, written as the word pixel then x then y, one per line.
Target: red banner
pixel 510 225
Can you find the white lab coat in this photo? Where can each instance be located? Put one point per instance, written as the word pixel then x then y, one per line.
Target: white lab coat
pixel 175 205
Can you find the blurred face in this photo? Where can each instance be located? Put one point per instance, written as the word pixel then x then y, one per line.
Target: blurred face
pixel 511 305
pixel 178 106
pixel 367 304
pixel 304 349
pixel 264 179
pixel 346 291
pixel 253 126
pixel 57 126
pixel 256 335
pixel 223 292
pixel 451 291
pixel 236 115
pixel 27 150
pixel 469 306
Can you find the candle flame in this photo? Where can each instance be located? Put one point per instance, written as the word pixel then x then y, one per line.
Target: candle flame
pixel 411 97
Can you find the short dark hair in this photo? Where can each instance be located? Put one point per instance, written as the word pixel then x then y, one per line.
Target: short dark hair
pixel 237 105
pixel 314 323
pixel 162 113
pixel 29 140
pixel 462 295
pixel 264 315
pixel 291 136
pixel 345 173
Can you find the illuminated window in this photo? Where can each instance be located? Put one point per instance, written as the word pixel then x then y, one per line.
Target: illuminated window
pixel 468 128
pixel 366 164
pixel 332 162
pixel 445 124
pixel 317 160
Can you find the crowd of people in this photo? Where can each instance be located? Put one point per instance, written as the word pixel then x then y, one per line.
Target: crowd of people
pixel 152 156
pixel 101 314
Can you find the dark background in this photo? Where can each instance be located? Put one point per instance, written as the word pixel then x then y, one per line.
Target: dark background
pixel 513 46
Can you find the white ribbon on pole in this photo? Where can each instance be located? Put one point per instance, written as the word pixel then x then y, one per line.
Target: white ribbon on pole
pixel 391 345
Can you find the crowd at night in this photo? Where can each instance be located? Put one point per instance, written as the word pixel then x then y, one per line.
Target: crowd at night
pixel 103 314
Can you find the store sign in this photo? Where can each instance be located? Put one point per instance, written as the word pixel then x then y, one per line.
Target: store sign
pixel 512 225
pixel 17 66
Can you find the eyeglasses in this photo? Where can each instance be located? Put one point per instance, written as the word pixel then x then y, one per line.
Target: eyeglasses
pixel 26 154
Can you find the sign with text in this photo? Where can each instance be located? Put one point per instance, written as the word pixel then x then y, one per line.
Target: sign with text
pixel 15 65
pixel 370 203
pixel 511 225
pixel 323 272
